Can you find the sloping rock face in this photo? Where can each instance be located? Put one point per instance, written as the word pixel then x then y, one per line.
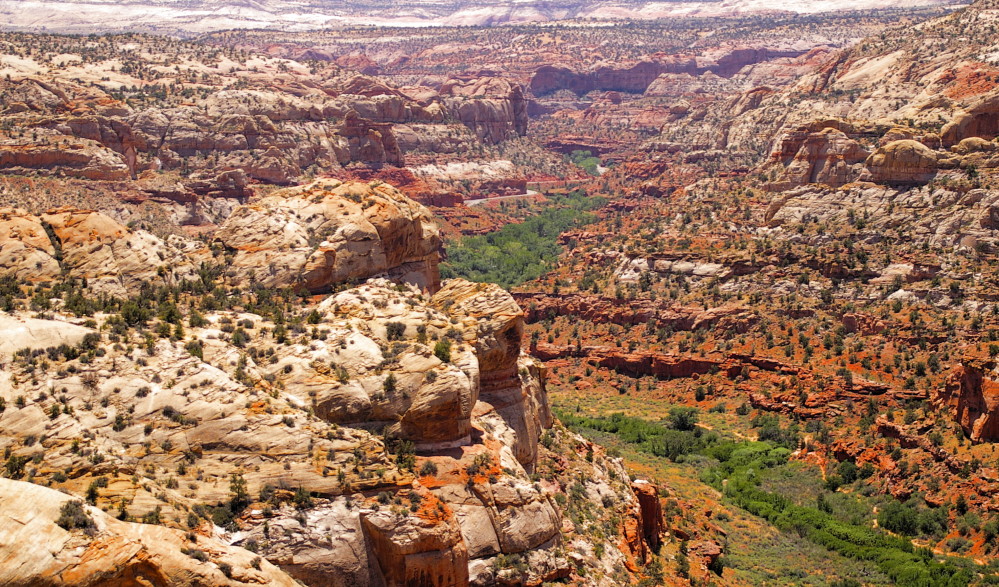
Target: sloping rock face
pixel 26 251
pixel 85 244
pixel 492 107
pixel 960 219
pixel 330 232
pixel 972 397
pixel 111 257
pixel 603 309
pixel 36 550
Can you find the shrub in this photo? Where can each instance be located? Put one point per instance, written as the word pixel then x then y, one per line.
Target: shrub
pixel 395 330
pixel 72 515
pixel 898 518
pixel 442 350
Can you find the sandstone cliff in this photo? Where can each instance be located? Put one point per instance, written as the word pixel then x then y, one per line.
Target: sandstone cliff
pixel 329 232
pixel 48 541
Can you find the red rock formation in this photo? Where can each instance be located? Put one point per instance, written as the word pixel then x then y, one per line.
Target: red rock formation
pixel 633 79
pixel 630 312
pixel 971 395
pixel 640 364
pixel 636 78
pixel 827 156
pixel 909 440
pixel 653 522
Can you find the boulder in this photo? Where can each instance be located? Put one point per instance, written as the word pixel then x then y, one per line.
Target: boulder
pixel 904 162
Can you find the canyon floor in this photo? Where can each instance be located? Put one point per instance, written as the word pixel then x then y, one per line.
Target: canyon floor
pixel 704 300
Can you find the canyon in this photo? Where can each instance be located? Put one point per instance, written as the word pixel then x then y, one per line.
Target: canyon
pixel 253 333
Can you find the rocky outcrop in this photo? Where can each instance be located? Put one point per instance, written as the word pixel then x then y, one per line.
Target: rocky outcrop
pixel 372 142
pixel 634 79
pixel 904 162
pixel 417 551
pixel 26 251
pixel 827 156
pixel 87 245
pixel 495 109
pixel 959 219
pixel 642 363
pixel 330 232
pixel 511 384
pixel 971 396
pixel 604 310
pixel 980 120
pixel 79 158
pixel 637 78
pixel 111 257
pixel 430 397
pixel 653 522
pixel 43 545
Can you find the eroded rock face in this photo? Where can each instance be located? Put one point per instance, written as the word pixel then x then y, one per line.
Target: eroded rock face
pixel 82 158
pixel 38 551
pixel 88 245
pixel 417 551
pixel 610 310
pixel 902 162
pixel 330 232
pixel 980 120
pixel 495 317
pixel 971 395
pixel 827 156
pixel 492 107
pixel 512 384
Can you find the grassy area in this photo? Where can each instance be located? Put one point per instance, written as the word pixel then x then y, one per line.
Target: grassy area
pixel 786 527
pixel 520 252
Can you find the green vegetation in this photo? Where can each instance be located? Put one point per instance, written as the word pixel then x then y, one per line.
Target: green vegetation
pixel 586 161
pixel 72 515
pixel 519 252
pixel 758 477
